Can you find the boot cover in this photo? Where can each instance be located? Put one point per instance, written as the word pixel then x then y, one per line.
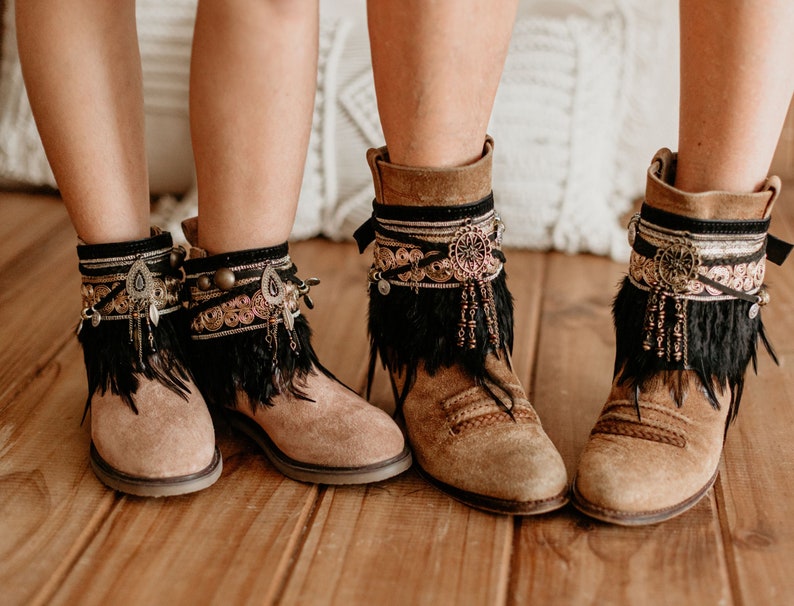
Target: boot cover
pixel 252 355
pixel 151 432
pixel 687 320
pixel 441 320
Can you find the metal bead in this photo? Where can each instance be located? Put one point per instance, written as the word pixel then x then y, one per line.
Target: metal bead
pixel 204 282
pixel 177 257
pixel 224 278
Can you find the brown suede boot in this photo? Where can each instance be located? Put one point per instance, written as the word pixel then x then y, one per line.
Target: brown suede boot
pixel 687 324
pixel 151 432
pixel 441 319
pixel 252 355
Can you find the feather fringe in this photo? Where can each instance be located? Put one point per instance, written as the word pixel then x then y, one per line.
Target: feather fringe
pixel 245 361
pixel 113 365
pixel 722 342
pixel 410 327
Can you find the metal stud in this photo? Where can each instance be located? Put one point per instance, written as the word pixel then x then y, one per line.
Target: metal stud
pixel 204 282
pixel 224 278
pixel 177 257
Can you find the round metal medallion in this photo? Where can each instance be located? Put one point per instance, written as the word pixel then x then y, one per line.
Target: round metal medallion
pixel 470 252
pixel 677 265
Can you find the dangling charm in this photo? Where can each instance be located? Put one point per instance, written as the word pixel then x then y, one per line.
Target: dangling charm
pixel 272 287
pixel 140 282
pixel 649 326
pixel 154 314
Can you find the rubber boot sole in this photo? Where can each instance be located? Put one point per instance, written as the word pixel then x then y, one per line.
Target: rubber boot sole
pixel 318 474
pixel 155 487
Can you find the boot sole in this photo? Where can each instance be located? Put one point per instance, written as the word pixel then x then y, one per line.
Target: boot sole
pixel 640 518
pixel 155 487
pixel 495 505
pixel 319 474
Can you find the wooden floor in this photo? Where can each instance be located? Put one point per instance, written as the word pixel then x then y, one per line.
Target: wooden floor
pixel 258 538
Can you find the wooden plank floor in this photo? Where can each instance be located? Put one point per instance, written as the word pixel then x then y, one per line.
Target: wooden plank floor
pixel 259 538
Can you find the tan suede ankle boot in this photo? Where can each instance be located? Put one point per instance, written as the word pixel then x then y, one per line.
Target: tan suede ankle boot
pixel 441 319
pixel 151 432
pixel 687 323
pixel 253 359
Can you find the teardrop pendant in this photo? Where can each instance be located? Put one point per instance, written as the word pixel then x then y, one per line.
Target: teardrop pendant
pixel 140 282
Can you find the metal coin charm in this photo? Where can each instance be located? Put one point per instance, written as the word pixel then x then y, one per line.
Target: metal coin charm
pixel 632 229
pixel 753 311
pixel 384 287
pixel 96 318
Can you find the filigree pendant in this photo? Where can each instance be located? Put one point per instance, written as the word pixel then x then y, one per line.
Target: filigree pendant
pixel 140 282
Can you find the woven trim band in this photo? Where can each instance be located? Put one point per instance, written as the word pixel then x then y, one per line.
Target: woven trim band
pixel 244 298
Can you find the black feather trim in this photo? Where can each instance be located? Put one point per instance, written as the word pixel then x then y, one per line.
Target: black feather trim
pixel 262 358
pixel 409 327
pixel 245 361
pixel 722 341
pixel 112 360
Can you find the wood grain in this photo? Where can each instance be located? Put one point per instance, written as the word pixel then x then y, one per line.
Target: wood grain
pixel 401 542
pixel 50 502
pixel 256 537
pixel 39 286
pixel 229 544
pixel 564 558
pixel 757 476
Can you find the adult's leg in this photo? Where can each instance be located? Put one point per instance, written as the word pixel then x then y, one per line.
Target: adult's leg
pixel 82 71
pixel 443 327
pixel 253 77
pixel 736 85
pixel 437 66
pixel 687 321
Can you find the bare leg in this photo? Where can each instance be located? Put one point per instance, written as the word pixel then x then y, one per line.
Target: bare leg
pixel 736 84
pixel 82 71
pixel 437 66
pixel 253 78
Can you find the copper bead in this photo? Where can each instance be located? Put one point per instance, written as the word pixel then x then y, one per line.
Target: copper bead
pixel 204 282
pixel 178 255
pixel 224 278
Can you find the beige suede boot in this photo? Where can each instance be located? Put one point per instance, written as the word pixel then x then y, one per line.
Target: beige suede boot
pixel 253 359
pixel 687 322
pixel 441 319
pixel 151 432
